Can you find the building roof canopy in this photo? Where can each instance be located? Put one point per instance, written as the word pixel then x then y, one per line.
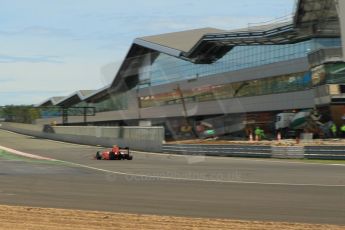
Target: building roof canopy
pixel 74 98
pixel 52 101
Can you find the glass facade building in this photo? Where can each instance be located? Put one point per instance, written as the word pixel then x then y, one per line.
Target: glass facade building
pixel 166 69
pixel 112 103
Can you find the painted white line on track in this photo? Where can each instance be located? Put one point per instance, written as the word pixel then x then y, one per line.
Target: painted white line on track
pixel 164 177
pixel 29 155
pixel 198 180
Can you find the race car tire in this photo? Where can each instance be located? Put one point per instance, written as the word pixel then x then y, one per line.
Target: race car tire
pixel 112 156
pixel 98 156
pixel 130 158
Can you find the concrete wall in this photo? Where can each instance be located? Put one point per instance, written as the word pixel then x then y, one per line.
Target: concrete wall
pixel 138 138
pixel 19 126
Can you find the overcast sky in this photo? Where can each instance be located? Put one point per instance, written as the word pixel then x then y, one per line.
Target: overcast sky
pixel 55 47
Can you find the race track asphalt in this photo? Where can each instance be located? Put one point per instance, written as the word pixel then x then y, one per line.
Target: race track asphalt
pixel 236 188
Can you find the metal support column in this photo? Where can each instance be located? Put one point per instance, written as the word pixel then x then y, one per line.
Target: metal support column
pixel 64 116
pixel 84 113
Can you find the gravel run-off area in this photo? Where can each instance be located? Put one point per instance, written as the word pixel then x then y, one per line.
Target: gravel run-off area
pixel 19 217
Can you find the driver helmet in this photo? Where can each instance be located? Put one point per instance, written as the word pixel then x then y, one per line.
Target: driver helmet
pixel 115 148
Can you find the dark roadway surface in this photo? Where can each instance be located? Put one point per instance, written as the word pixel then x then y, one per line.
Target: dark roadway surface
pixel 233 188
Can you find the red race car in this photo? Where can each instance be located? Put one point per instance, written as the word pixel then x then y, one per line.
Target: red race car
pixel 116 153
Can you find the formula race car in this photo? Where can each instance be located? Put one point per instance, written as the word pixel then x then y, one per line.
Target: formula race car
pixel 116 153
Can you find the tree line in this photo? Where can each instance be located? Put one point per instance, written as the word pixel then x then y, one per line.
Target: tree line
pixel 19 113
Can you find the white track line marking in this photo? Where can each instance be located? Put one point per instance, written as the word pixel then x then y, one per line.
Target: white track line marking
pixel 162 177
pixel 29 155
pixel 197 180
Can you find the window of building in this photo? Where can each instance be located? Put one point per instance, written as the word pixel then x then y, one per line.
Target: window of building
pixel 272 85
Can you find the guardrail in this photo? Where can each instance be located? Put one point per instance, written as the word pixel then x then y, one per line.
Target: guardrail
pixel 218 150
pixel 259 151
pixel 325 152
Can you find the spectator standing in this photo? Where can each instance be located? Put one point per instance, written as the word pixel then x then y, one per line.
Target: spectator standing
pixel 334 130
pixel 342 130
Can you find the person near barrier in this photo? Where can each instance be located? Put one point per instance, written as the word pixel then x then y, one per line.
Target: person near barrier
pixel 342 130
pixel 259 133
pixel 334 130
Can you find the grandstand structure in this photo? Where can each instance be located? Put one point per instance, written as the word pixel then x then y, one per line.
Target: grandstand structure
pixel 229 80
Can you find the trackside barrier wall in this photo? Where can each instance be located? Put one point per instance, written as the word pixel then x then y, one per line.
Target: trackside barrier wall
pixel 138 138
pixel 151 138
pixel 287 152
pixel 325 152
pixel 297 152
pixel 219 150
